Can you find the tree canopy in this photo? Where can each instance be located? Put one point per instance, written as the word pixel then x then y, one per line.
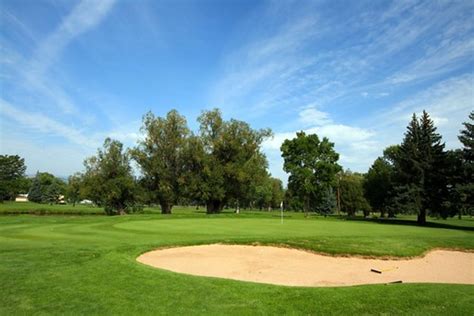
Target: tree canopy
pixel 12 173
pixel 352 194
pixel 161 155
pixel 311 164
pixel 233 164
pixel 46 188
pixel 109 176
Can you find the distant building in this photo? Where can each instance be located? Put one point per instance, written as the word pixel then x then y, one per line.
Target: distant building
pixel 21 198
pixel 86 202
pixel 61 200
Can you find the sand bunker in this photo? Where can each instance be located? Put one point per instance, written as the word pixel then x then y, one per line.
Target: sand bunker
pixel 293 267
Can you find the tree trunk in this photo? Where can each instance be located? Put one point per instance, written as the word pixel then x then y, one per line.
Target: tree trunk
pixel 306 206
pixel 165 207
pixel 209 207
pixel 213 206
pixel 382 213
pixel 422 217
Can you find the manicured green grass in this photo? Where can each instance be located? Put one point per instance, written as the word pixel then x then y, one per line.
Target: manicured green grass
pixel 86 265
pixel 12 208
pixel 39 209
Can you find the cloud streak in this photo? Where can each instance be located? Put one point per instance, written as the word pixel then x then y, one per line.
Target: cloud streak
pixel 44 124
pixel 301 64
pixel 84 17
pixel 32 75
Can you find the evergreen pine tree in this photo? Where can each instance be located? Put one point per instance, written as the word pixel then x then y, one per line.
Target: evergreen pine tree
pixel 52 193
pixel 328 201
pixel 467 139
pixel 433 159
pixel 410 175
pixel 420 168
pixel 465 188
pixel 35 194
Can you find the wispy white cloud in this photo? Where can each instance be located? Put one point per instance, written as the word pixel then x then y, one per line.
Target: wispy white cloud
pixel 273 61
pixel 85 16
pixel 295 65
pixel 41 123
pixel 32 75
pixel 39 104
pixel 61 160
pixel 356 145
pixel 448 102
pixel 310 116
pixel 382 53
pixel 444 59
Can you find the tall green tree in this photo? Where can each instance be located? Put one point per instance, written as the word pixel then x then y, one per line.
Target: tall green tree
pixel 328 201
pixel 465 187
pixel 466 137
pixel 420 166
pixel 263 195
pixel 278 192
pixel 160 156
pixel 110 175
pixel 195 171
pixel 52 193
pixel 312 165
pixel 434 164
pixel 352 194
pixel 233 165
pixel 455 203
pixel 73 189
pixel 269 194
pixel 12 172
pixel 212 173
pixel 379 181
pixel 35 193
pixel 40 191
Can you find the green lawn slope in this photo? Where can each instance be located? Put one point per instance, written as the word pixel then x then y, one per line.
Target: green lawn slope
pixel 86 265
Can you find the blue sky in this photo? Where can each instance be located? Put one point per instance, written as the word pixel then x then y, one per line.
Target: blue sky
pixel 73 73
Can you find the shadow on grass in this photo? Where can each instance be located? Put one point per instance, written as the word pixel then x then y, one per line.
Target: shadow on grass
pixel 407 222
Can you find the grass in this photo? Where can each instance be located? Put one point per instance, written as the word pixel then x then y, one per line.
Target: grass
pixel 9 207
pixel 86 265
pixel 15 208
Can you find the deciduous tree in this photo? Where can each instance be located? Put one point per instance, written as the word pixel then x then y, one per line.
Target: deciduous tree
pixel 12 171
pixel 379 181
pixel 160 156
pixel 312 165
pixel 110 175
pixel 73 189
pixel 40 191
pixel 352 194
pixel 233 164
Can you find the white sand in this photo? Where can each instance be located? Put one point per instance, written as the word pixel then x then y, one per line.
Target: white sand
pixel 293 267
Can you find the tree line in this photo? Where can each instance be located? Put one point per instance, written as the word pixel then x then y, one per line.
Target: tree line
pixel 417 176
pixel 222 165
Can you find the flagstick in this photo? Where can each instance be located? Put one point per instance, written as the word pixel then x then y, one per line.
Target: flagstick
pixel 281 213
